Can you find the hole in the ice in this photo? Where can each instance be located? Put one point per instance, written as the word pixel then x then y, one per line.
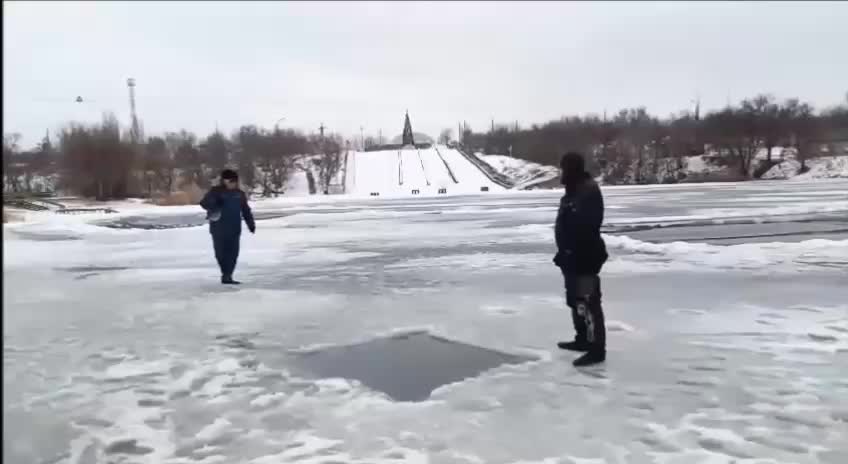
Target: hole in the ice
pixel 406 367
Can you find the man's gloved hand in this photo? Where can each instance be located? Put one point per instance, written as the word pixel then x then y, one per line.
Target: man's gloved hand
pixel 252 230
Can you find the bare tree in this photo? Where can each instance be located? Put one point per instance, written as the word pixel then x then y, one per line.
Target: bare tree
pixel 11 159
pixel 763 116
pixel 735 133
pixel 96 161
pixel 682 138
pixel 370 141
pixel 286 147
pixel 215 151
pixel 187 158
pixel 329 159
pixel 157 166
pixel 802 126
pixel 247 148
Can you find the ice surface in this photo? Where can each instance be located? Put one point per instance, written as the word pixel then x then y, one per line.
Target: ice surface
pixel 717 353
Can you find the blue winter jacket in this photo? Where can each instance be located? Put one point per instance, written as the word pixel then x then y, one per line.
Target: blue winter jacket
pixel 225 210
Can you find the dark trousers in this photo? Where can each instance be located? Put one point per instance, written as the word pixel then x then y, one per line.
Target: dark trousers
pixel 226 252
pixel 583 296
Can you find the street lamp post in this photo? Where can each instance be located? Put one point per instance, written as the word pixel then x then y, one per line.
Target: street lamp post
pixel 276 124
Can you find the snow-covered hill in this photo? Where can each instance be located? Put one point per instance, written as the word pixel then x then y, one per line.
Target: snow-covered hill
pixel 427 171
pixel 525 174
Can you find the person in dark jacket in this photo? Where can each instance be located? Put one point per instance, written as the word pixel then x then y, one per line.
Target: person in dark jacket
pixel 226 206
pixel 581 253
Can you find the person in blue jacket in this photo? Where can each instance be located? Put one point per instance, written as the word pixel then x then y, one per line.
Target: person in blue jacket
pixel 226 205
pixel 581 253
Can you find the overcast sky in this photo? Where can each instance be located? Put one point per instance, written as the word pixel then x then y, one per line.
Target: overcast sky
pixel 202 64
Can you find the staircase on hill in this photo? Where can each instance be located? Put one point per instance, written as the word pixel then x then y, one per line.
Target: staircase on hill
pixel 489 171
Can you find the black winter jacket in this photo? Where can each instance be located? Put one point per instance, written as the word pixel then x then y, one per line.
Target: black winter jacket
pixel 581 249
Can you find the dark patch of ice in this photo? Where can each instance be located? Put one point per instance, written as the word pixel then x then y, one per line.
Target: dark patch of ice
pixel 719 446
pixel 406 367
pixel 92 269
pixel 150 403
pixel 93 422
pixel 823 338
pixel 797 419
pixel 127 447
pixel 784 445
pixel 46 236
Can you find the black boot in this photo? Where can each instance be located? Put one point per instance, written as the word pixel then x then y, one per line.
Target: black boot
pixel 577 345
pixel 228 280
pixel 590 358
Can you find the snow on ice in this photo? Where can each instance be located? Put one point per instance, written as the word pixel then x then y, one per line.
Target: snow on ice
pixel 119 345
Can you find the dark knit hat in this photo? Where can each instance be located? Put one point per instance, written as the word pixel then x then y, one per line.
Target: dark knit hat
pixel 573 161
pixel 229 174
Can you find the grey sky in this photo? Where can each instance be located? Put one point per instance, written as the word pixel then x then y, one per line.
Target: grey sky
pixel 350 64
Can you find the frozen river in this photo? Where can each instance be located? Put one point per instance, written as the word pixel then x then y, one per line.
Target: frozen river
pixel 424 330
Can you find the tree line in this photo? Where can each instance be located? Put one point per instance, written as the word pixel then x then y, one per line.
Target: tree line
pixel 99 161
pixel 635 143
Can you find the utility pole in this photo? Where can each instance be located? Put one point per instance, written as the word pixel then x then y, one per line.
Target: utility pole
pixel 698 108
pixel 321 129
pixel 135 134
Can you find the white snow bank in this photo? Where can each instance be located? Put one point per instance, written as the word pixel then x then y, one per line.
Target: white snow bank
pixel 826 167
pixel 527 174
pixel 631 255
pixel 699 165
pixel 297 184
pixel 524 173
